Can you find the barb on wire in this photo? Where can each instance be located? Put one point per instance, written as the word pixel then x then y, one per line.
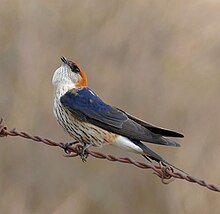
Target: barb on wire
pixel 166 173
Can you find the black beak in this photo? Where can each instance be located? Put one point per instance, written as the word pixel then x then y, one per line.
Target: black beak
pixel 64 60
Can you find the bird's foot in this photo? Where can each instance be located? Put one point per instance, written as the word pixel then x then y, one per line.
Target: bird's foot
pixel 84 153
pixel 67 146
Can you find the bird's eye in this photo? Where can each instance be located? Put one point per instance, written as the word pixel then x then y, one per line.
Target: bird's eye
pixel 74 67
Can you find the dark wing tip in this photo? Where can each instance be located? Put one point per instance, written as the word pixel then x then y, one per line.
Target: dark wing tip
pixel 154 129
pixel 176 134
pixel 163 132
pixel 180 135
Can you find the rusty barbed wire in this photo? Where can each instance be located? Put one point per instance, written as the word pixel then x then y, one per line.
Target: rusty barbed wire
pixel 166 173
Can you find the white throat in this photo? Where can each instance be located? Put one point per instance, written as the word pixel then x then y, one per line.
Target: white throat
pixel 61 89
pixel 63 81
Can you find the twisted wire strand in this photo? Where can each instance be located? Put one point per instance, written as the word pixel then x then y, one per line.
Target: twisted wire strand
pixel 166 173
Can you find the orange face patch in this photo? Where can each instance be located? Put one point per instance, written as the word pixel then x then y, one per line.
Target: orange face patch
pixel 83 82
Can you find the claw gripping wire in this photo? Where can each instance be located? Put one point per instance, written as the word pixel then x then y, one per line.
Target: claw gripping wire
pixel 166 173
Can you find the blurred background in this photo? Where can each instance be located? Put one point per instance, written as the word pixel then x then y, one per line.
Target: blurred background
pixel 158 60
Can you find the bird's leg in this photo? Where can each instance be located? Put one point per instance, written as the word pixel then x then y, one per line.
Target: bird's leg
pixel 67 146
pixel 83 152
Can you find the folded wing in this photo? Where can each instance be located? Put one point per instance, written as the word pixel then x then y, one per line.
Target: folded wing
pixel 85 105
pixel 154 129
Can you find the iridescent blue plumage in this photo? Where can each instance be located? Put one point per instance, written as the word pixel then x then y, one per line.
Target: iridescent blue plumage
pixel 92 122
pixel 85 105
pixel 85 102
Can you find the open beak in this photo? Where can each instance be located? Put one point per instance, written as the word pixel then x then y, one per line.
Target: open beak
pixel 64 60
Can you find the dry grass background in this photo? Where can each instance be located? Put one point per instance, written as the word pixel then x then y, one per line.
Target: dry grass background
pixel 158 60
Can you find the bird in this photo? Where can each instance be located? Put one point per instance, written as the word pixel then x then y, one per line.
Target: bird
pixel 92 122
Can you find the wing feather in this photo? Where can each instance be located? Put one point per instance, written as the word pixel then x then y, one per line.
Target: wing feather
pixel 84 103
pixel 154 129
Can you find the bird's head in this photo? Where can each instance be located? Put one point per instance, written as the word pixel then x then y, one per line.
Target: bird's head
pixel 69 75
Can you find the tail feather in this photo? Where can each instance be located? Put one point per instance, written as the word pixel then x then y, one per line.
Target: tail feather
pixel 151 155
pixel 169 142
pixel 148 152
pixel 165 163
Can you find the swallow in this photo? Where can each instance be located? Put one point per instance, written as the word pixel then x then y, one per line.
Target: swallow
pixel 92 122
